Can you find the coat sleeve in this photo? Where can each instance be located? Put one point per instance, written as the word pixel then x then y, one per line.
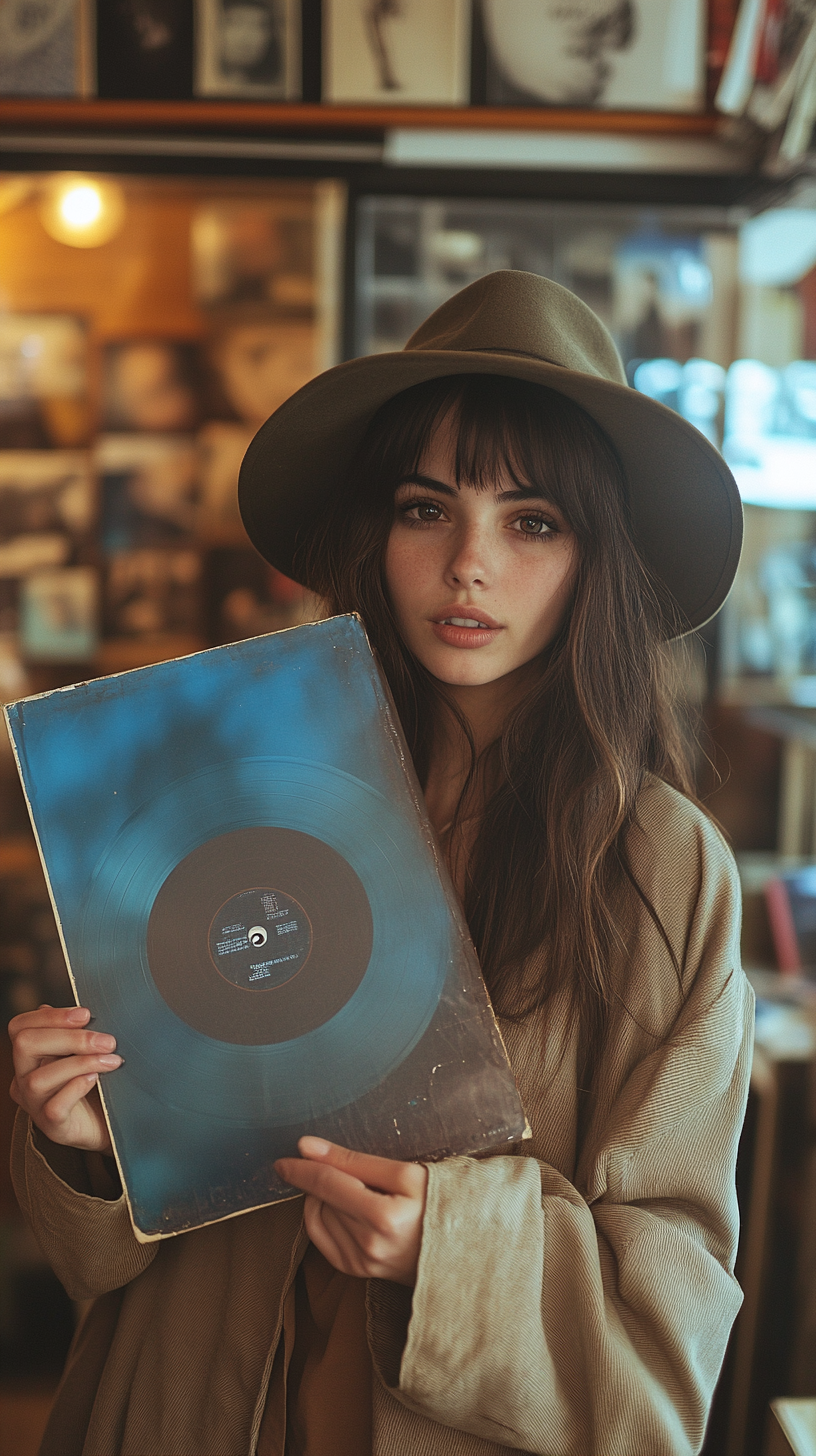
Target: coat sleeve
pixel 591 1318
pixel 78 1213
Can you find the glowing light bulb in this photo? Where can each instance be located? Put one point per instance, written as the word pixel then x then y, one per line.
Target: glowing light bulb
pixel 82 211
pixel 81 206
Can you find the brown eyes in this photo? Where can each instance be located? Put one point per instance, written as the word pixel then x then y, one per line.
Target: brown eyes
pixel 427 512
pixel 534 526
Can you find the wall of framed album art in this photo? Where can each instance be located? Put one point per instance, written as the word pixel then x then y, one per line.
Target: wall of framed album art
pixel 133 376
pixel 612 55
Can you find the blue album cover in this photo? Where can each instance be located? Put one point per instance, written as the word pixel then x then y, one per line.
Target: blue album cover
pixel 251 901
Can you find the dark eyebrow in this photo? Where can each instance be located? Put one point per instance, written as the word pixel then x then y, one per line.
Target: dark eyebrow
pixel 430 482
pixel 521 493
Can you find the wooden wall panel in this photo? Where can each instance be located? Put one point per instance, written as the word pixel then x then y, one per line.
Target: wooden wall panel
pixel 139 282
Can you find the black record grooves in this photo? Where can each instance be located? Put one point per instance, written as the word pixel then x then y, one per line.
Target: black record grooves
pixel 259 936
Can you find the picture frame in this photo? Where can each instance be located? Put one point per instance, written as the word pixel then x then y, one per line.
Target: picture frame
pixel 149 490
pixel 152 386
pixel 248 48
pixel 277 258
pixel 152 591
pixel 634 55
pixel 59 615
pixel 44 381
pixel 47 49
pixel 396 52
pixel 46 492
pixel 145 49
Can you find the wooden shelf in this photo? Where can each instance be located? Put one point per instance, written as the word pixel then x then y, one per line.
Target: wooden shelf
pixel 102 115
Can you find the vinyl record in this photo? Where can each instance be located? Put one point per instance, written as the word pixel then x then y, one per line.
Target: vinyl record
pixel 259 936
pixel 165 941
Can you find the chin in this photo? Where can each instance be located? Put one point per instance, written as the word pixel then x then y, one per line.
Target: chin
pixel 465 674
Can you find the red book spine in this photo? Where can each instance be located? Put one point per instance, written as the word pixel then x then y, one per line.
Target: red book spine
pixel 721 17
pixel 783 929
pixel 766 70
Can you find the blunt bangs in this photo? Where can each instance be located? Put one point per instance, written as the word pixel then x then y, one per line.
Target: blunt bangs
pixel 505 427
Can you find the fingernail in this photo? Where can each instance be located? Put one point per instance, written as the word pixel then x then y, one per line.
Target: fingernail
pixel 78 1015
pixel 91 1077
pixel 110 1061
pixel 102 1042
pixel 317 1146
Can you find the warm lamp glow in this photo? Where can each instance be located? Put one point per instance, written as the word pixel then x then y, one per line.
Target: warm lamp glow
pixel 83 212
pixel 81 206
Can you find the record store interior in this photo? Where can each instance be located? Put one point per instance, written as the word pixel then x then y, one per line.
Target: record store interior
pixel 204 205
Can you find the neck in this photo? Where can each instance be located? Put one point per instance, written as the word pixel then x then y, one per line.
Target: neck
pixel 485 709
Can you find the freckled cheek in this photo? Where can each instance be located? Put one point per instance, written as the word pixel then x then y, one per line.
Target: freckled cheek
pixel 408 572
pixel 541 603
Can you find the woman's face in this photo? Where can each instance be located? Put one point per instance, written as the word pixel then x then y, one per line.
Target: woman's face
pixel 479 579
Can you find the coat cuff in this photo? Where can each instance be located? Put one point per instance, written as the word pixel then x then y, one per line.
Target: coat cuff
pixel 82 1227
pixel 428 1344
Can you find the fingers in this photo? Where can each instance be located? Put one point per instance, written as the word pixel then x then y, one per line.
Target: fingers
pixel 42 1083
pixel 54 1033
pixel 57 1063
pixel 350 1247
pixel 32 1045
pixel 49 1016
pixel 328 1233
pixel 386 1175
pixel 329 1185
pixel 54 1115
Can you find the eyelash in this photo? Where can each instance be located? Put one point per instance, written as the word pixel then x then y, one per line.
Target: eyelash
pixel 415 523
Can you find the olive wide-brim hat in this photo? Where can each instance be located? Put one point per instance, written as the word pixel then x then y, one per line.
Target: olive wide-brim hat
pixel 685 507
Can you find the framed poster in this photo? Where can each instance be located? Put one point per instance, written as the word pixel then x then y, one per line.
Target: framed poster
pixel 145 48
pixel 613 54
pixel 152 591
pixel 44 400
pixel 396 52
pixel 261 364
pixel 152 385
pixel 248 48
pixel 272 262
pixel 149 490
pixel 59 615
pixel 47 48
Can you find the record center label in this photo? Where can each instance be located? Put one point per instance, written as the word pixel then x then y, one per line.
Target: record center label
pixel 259 939
pixel 267 902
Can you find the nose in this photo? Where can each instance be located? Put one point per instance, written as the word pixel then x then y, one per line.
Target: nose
pixel 469 562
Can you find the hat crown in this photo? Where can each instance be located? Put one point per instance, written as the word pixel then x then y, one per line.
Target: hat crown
pixel 511 312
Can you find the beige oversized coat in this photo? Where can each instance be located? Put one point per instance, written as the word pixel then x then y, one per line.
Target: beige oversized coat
pixel 574 1297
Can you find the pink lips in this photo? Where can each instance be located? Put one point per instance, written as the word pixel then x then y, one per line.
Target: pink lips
pixel 454 634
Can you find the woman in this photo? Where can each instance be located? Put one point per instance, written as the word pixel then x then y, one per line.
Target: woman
pixel 521 533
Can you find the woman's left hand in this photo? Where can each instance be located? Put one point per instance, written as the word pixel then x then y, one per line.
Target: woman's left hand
pixel 364 1214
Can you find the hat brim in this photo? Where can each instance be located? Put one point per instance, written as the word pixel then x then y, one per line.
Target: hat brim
pixel 685 506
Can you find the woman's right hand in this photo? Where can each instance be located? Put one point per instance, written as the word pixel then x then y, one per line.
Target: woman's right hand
pixel 57 1064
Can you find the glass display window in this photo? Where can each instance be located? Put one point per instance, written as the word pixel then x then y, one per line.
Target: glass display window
pixel 664 282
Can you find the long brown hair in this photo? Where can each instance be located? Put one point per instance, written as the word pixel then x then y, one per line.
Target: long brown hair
pixel 548 870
